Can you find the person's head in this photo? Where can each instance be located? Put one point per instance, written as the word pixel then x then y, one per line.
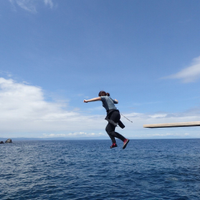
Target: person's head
pixel 103 93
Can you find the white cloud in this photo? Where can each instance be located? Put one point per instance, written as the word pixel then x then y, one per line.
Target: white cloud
pixel 136 129
pixel 73 134
pixel 23 109
pixel 189 74
pixel 49 2
pixel 139 119
pixel 31 5
pixel 24 112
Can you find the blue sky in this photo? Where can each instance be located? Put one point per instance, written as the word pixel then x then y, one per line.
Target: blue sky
pixel 54 54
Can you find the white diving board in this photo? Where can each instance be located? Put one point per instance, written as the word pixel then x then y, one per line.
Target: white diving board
pixel 171 125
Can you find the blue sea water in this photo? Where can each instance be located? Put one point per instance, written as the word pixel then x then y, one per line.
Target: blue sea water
pixel 77 170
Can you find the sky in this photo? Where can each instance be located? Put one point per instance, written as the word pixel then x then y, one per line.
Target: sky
pixel 56 53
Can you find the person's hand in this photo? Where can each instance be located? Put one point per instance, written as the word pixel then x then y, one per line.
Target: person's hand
pixel 85 101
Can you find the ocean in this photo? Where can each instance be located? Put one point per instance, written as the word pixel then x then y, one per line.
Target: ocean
pixel 89 169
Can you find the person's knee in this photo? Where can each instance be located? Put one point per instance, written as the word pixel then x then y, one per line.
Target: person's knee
pixel 110 129
pixel 111 133
pixel 107 129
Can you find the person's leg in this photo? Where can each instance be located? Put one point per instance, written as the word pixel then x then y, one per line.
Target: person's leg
pixel 109 129
pixel 119 136
pixel 115 116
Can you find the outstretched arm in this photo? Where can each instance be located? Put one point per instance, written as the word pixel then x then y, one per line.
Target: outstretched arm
pixel 94 99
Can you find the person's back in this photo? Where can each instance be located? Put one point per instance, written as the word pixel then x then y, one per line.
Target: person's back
pixel 108 103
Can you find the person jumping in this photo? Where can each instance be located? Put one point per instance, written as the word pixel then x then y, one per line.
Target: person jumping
pixel 113 117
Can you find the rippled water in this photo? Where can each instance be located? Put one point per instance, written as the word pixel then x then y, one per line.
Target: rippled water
pixel 146 169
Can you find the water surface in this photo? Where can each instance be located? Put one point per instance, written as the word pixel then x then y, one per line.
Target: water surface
pixel 146 169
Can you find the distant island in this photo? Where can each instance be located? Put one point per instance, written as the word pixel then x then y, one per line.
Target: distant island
pixel 7 141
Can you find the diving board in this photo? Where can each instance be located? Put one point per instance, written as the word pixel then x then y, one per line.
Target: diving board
pixel 171 125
